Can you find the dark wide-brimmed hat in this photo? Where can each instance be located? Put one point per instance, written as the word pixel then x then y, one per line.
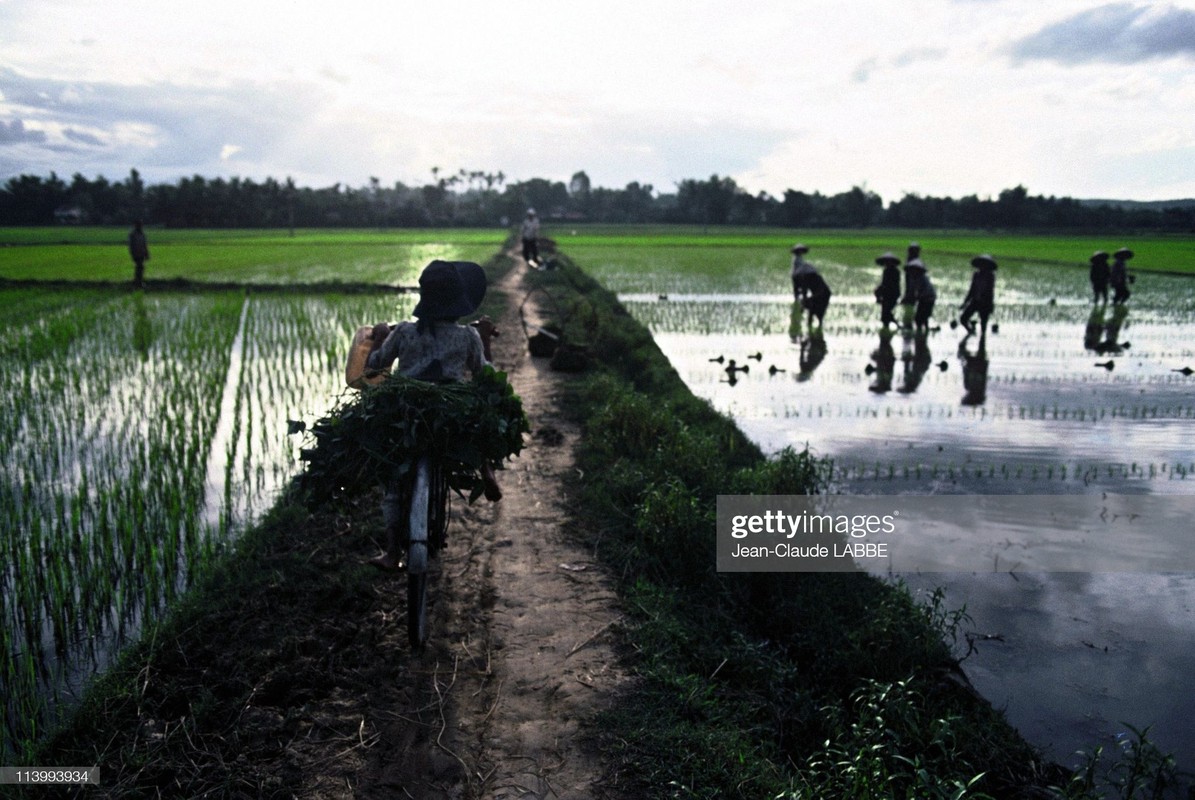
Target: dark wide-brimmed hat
pixel 984 261
pixel 450 289
pixel 1097 256
pixel 800 248
pixel 1124 253
pixel 887 258
pixel 915 246
pixel 915 263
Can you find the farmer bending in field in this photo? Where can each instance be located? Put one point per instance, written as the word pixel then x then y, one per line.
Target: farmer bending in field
pixel 434 348
pixel 809 287
pixel 981 297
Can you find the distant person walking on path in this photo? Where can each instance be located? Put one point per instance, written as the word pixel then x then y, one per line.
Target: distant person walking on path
pixel 530 235
pixel 139 250
pixel 981 297
pixel 888 292
pixel 1120 277
pixel 1100 275
pixel 920 293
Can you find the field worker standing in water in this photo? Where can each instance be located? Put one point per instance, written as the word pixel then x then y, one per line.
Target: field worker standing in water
pixel 139 251
pixel 888 292
pixel 919 293
pixel 1099 275
pixel 1120 277
pixel 434 348
pixel 529 233
pixel 981 297
pixel 914 253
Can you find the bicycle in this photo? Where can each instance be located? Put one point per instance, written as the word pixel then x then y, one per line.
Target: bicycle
pixel 424 500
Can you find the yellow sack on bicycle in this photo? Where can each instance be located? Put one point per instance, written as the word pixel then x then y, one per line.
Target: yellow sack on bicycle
pixel 355 373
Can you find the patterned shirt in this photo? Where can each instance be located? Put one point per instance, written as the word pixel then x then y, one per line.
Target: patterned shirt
pixel 444 353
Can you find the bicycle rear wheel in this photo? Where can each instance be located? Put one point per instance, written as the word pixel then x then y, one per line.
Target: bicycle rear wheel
pixel 421 516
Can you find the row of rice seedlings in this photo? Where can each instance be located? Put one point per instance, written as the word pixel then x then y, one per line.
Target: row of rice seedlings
pixel 1035 472
pixel 1046 411
pixel 926 411
pixel 292 367
pixel 105 445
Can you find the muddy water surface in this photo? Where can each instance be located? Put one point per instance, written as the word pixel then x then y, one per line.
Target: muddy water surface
pixel 1060 399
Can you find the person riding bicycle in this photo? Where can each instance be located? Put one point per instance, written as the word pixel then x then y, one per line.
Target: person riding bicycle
pixel 434 348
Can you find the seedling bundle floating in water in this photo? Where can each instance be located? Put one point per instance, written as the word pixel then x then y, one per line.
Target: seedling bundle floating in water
pixel 377 436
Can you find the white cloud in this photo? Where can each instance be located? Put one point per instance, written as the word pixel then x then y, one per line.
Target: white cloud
pixel 815 96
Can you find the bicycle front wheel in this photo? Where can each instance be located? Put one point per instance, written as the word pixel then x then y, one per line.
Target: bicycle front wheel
pixel 417 554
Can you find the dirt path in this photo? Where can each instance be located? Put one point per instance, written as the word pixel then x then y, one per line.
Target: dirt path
pixel 521 653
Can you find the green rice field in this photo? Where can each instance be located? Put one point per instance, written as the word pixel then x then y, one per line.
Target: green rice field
pixel 144 430
pixel 250 256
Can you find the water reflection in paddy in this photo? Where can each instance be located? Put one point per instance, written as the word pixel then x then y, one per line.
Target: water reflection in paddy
pixel 1072 656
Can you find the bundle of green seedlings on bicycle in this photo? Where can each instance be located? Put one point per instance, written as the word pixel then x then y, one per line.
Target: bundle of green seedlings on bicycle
pixel 377 436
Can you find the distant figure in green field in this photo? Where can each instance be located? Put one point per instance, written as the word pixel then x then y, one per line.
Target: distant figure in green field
pixel 888 292
pixel 981 296
pixel 1120 277
pixel 139 250
pixel 1100 274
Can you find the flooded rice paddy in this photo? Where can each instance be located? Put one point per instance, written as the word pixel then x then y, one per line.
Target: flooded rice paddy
pixel 1062 398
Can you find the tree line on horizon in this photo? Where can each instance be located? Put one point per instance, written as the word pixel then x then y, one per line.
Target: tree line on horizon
pixel 481 199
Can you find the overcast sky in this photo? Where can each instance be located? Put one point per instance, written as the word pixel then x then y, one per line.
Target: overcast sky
pixel 943 97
